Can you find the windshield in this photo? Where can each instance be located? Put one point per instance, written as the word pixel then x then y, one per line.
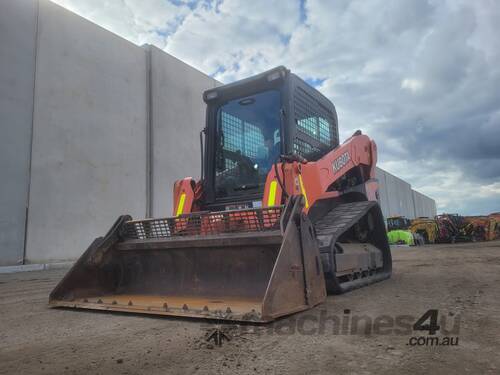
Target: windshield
pixel 248 143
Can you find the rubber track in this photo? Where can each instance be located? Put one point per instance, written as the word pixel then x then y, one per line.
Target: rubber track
pixel 339 220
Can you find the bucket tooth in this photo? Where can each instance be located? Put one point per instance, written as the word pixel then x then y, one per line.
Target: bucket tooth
pixel 165 306
pixel 130 303
pixel 185 307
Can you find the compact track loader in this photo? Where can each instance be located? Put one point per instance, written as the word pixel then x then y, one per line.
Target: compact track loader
pixel 281 216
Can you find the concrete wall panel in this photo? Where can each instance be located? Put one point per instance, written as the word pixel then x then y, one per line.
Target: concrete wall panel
pixel 89 137
pixel 17 67
pixel 178 115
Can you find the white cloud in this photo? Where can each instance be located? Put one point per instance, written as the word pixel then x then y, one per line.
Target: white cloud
pixel 420 77
pixel 236 38
pixel 138 21
pixel 412 84
pixel 490 190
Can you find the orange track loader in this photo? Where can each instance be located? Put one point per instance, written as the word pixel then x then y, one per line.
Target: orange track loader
pixel 281 216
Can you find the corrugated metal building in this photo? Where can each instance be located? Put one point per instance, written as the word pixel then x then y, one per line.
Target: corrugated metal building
pixel 397 198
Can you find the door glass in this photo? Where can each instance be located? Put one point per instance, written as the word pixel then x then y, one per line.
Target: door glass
pixel 248 143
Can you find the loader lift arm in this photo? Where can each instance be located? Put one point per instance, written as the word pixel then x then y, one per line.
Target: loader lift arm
pixel 348 168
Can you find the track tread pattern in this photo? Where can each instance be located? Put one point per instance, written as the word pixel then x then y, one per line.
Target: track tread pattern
pixel 328 230
pixel 338 220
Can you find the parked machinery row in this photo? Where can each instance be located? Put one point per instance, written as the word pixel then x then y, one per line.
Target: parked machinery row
pixel 444 228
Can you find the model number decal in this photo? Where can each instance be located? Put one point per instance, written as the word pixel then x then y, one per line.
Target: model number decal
pixel 341 161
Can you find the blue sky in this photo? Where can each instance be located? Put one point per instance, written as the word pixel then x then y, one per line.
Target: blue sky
pixel 420 77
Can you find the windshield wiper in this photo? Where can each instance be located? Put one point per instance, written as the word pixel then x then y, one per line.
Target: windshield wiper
pixel 246 187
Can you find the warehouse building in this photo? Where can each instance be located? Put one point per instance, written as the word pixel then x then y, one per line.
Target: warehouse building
pixel 92 127
pixel 397 198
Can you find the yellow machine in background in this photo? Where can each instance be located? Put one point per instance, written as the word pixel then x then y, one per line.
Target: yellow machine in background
pixel 426 227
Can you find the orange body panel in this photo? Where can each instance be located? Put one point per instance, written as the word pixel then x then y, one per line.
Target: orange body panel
pixel 487 225
pixel 186 187
pixel 314 179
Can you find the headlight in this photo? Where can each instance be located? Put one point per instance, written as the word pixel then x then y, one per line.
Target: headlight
pixel 211 95
pixel 273 76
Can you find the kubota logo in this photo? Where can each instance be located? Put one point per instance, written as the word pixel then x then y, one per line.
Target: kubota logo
pixel 341 161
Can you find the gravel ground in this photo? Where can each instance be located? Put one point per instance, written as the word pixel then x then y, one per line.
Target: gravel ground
pixel 461 281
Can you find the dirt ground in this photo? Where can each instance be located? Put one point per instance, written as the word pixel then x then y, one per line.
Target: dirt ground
pixel 461 281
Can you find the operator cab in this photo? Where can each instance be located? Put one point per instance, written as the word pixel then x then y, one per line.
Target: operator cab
pixel 250 124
